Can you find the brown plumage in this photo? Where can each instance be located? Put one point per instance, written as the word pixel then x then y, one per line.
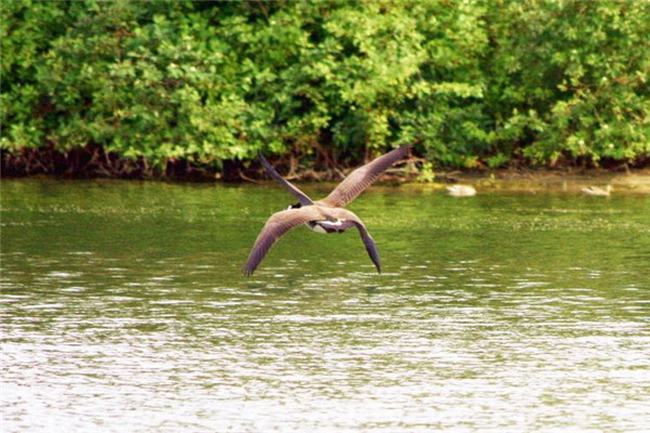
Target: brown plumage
pixel 275 227
pixel 327 215
pixel 361 178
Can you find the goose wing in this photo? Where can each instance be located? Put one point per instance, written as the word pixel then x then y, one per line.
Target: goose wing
pixel 361 178
pixel 301 196
pixel 368 241
pixel 277 225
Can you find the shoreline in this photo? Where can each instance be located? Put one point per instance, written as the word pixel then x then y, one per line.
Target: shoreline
pixel 503 180
pixel 539 181
pixel 92 163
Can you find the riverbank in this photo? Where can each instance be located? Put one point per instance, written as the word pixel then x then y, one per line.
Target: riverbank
pixel 94 163
pixel 635 181
pixel 545 180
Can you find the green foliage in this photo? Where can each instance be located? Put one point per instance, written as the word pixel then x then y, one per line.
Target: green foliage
pixel 569 79
pixel 467 82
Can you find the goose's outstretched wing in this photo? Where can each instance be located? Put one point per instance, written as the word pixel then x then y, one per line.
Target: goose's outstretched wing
pixel 278 224
pixel 362 178
pixel 368 241
pixel 301 196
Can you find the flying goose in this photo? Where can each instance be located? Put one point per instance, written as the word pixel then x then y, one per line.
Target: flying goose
pixel 597 191
pixel 461 190
pixel 323 216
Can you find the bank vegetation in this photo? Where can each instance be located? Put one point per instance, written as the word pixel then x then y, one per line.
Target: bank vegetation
pixel 175 89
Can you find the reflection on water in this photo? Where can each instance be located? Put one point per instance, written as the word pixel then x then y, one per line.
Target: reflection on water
pixel 122 309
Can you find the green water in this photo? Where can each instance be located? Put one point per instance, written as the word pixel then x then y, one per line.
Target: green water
pixel 123 309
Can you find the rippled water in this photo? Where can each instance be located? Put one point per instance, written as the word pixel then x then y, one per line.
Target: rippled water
pixel 123 309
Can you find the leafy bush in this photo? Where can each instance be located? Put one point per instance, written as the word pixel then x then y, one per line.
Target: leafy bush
pixel 569 79
pixel 467 82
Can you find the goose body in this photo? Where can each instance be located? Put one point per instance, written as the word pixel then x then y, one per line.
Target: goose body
pixel 461 190
pixel 597 191
pixel 323 226
pixel 323 216
pixel 327 226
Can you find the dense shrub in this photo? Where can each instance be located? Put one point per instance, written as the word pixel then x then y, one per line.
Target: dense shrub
pixel 568 79
pixel 467 82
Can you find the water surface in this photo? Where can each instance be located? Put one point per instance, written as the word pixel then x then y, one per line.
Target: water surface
pixel 123 308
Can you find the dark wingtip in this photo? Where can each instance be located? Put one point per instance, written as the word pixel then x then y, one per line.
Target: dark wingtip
pixel 376 262
pixel 247 271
